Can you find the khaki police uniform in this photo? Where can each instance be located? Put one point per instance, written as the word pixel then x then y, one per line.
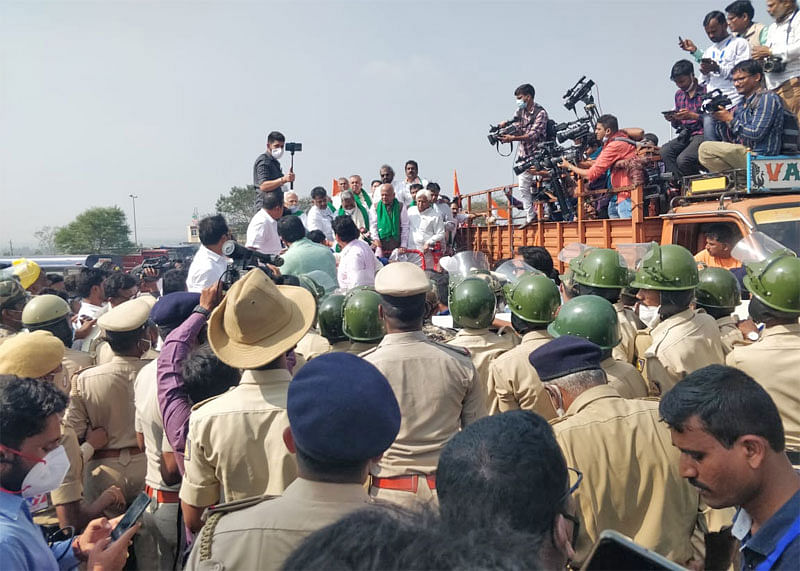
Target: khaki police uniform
pixel 438 334
pixel 626 350
pixel 73 362
pixel 484 347
pixel 624 378
pixel 104 354
pixel 774 361
pixel 235 446
pixel 439 393
pixel 312 345
pixel 263 535
pixel 340 346
pixel 515 382
pixel 729 334
pixel 102 396
pixel 156 543
pixel 358 347
pixel 682 343
pixel 632 481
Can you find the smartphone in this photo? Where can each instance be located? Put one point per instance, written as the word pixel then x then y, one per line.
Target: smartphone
pixel 132 515
pixel 680 39
pixel 615 551
pixel 669 114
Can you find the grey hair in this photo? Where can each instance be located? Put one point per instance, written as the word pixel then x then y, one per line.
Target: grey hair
pixel 576 383
pixel 424 194
pixel 346 194
pixel 388 167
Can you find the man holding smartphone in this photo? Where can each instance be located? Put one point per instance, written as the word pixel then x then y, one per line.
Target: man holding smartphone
pixel 680 154
pixel 717 61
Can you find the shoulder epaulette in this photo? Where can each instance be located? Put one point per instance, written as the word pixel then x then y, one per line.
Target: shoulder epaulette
pixel 208 400
pixel 228 507
pixel 461 351
pixel 213 514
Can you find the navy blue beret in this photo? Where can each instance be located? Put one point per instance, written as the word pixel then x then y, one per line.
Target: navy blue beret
pixel 173 309
pixel 341 408
pixel 565 355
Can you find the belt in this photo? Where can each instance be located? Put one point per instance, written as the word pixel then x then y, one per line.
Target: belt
pixel 404 483
pixel 162 496
pixel 794 457
pixel 115 452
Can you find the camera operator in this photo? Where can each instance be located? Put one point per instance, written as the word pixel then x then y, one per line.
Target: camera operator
pixel 780 53
pixel 531 132
pixel 680 154
pixel 267 173
pixel 757 123
pixel 716 62
pixel 618 146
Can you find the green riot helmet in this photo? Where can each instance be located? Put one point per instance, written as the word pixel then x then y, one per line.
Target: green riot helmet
pixel 312 286
pixel 600 267
pixel 534 298
pixel 718 289
pixel 361 321
pixel 666 268
pixel 330 317
pixel 775 282
pixel 591 317
pixel 472 303
pixel 44 310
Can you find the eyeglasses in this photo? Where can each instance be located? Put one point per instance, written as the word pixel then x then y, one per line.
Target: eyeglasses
pixel 576 523
pixel 741 78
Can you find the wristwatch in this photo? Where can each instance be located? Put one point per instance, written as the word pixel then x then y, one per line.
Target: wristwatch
pixel 753 336
pixel 201 310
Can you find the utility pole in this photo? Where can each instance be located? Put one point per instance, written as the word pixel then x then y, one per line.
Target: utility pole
pixel 135 234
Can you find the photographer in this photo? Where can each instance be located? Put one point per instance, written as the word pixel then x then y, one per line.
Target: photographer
pixel 532 131
pixel 716 62
pixel 780 53
pixel 617 147
pixel 267 173
pixel 680 154
pixel 757 123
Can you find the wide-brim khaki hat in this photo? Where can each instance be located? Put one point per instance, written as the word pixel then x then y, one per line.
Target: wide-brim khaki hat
pixel 257 321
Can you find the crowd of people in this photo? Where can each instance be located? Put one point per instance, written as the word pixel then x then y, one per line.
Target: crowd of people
pixel 314 413
pixel 756 67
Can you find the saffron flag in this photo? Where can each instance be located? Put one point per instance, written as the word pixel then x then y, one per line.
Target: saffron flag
pixel 501 212
pixel 336 190
pixel 456 191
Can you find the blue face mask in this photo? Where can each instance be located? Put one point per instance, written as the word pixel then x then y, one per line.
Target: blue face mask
pixel 521 104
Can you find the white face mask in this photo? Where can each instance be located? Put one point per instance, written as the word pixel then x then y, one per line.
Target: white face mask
pixel 349 211
pixel 293 209
pixel 277 153
pixel 648 314
pixel 47 475
pixel 521 104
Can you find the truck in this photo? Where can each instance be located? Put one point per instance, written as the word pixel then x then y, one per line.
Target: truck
pixel 764 197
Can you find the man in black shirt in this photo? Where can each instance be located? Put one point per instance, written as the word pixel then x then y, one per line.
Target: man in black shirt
pixel 267 173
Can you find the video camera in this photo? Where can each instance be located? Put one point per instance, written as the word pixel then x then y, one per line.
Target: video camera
pixel 496 131
pixel 580 92
pixel 160 264
pixel 580 130
pixel 244 259
pixel 714 101
pixel 547 157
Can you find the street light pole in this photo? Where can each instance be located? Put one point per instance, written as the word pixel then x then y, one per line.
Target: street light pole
pixel 135 234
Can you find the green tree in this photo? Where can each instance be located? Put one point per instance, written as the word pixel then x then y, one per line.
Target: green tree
pixel 238 207
pixel 95 231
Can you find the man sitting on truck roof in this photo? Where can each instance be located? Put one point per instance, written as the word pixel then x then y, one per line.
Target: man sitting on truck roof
pixel 719 243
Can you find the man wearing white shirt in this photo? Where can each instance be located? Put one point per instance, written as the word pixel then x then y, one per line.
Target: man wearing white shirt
pixel 388 222
pixel 401 190
pixel 262 232
pixel 319 216
pixel 717 62
pixel 357 262
pixel 783 41
pixel 89 286
pixel 208 263
pixel 426 228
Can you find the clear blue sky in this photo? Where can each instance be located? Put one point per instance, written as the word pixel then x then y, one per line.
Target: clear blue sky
pixel 172 101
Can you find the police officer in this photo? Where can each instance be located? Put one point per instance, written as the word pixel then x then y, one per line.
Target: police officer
pixel 103 352
pixel 51 313
pixel 773 360
pixel 361 321
pixel 533 301
pixel 342 416
pixel 252 328
pixel 102 396
pixel 683 340
pixel 632 480
pixel 595 319
pixel 12 302
pixel 472 305
pixel 436 386
pixel 718 294
pixel 330 322
pixel 603 272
